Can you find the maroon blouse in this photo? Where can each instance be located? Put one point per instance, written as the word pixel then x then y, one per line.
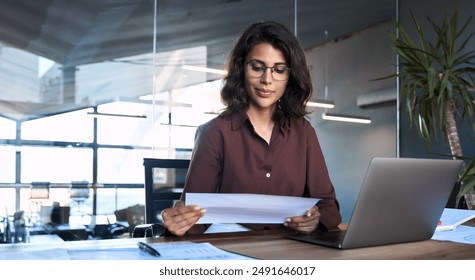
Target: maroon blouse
pixel 230 157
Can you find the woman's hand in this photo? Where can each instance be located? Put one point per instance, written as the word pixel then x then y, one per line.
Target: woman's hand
pixel 180 218
pixel 307 223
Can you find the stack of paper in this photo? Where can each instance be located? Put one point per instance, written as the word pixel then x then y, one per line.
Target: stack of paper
pixel 451 218
pixel 249 208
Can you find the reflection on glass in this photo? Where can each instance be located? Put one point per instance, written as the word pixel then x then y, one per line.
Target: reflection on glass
pixel 53 164
pixel 74 126
pixel 124 130
pixel 7 164
pixel 110 200
pixel 79 193
pixel 121 166
pixel 7 129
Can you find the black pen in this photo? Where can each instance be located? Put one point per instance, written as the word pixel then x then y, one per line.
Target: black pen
pixel 149 249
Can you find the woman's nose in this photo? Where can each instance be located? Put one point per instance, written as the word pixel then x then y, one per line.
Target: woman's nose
pixel 267 76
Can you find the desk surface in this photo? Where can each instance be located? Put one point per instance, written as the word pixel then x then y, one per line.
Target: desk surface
pixel 273 245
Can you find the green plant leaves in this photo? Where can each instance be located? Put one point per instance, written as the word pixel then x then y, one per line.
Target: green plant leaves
pixel 436 80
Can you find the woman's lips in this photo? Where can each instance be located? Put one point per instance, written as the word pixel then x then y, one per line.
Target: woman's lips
pixel 264 92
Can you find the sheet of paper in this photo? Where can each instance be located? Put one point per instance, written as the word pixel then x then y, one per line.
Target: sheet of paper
pixel 195 251
pixel 451 218
pixel 50 254
pixel 461 234
pixel 168 251
pixel 249 208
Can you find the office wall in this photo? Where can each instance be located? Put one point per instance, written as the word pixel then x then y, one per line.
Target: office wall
pixel 411 144
pixel 349 64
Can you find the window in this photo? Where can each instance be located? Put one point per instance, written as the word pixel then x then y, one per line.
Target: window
pixel 134 131
pixel 7 164
pixel 56 164
pixel 121 166
pixel 7 129
pixel 74 126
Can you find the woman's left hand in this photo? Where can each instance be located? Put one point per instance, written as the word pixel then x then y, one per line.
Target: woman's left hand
pixel 307 223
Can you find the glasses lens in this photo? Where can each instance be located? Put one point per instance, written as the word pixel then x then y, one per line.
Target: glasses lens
pixel 280 72
pixel 257 70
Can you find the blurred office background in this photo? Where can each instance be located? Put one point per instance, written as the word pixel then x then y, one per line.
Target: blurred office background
pixel 89 88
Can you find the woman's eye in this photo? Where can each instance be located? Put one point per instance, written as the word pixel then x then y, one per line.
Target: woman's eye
pixel 280 70
pixel 257 67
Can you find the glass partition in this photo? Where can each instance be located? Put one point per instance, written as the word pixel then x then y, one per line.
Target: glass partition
pixel 91 88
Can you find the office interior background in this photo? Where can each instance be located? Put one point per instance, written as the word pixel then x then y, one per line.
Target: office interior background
pixel 90 88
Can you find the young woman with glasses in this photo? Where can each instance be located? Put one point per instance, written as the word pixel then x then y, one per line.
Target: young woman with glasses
pixel 261 143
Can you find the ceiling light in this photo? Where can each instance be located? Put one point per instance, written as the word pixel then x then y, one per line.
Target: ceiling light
pixel 321 103
pixel 179 125
pixel 345 118
pixel 204 69
pixel 99 115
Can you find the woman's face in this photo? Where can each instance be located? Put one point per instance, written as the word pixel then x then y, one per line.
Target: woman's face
pixel 265 91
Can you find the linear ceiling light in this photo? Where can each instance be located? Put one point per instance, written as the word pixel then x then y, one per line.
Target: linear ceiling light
pixel 321 103
pixel 345 118
pixel 204 69
pixel 179 125
pixel 99 115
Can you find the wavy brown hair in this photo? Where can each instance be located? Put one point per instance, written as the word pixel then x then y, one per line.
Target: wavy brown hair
pixel 299 86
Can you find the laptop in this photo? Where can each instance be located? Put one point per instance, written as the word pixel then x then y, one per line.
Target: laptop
pixel 401 200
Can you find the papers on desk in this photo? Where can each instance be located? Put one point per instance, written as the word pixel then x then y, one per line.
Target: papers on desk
pixel 461 234
pixel 51 254
pixel 451 228
pixel 168 251
pixel 451 218
pixel 249 208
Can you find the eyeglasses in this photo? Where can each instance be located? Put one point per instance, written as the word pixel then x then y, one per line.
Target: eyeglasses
pixel 256 69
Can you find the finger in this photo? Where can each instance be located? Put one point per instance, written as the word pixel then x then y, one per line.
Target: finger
pixel 313 211
pixel 180 210
pixel 181 228
pixel 179 220
pixel 182 215
pixel 307 223
pixel 301 224
pixel 311 214
pixel 304 228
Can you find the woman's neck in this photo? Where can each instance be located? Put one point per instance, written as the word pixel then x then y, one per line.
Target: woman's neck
pixel 262 121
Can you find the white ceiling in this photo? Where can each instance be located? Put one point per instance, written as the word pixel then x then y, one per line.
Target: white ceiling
pixel 82 32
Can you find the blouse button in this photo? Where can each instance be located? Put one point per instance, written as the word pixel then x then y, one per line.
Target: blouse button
pixel 267 174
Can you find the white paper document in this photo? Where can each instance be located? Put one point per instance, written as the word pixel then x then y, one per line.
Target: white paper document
pixel 451 218
pixel 249 208
pixel 461 234
pixel 168 251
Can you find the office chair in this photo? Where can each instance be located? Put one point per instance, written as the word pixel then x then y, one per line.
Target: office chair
pixel 164 182
pixel 39 194
pixel 79 193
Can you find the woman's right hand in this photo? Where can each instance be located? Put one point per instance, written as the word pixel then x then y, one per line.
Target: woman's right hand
pixel 180 218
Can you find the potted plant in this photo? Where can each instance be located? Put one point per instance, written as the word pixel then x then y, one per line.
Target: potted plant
pixel 437 87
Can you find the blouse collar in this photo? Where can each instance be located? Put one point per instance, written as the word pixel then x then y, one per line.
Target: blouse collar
pixel 239 118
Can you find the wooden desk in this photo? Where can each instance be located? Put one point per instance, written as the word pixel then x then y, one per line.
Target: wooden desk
pixel 273 245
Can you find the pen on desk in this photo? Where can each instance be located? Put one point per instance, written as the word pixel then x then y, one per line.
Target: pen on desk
pixel 149 249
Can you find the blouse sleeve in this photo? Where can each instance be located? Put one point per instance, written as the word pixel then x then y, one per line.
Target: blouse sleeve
pixel 319 184
pixel 204 171
pixel 205 164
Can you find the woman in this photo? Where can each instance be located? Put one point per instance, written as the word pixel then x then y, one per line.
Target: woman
pixel 262 142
